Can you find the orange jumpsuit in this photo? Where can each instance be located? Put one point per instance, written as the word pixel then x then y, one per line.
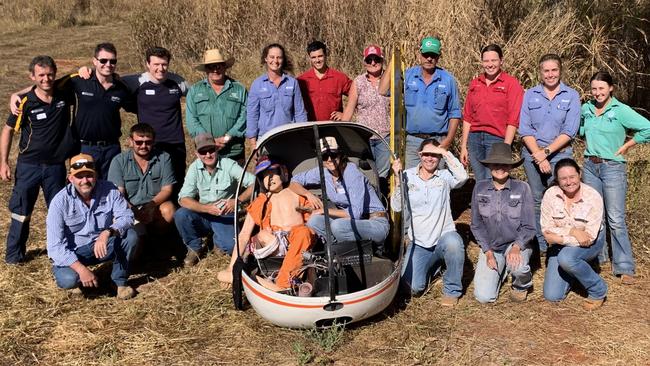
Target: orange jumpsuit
pixel 300 238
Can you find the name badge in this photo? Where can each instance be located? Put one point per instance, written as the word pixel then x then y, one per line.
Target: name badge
pixel 150 92
pixel 88 94
pixel 340 190
pixel 41 116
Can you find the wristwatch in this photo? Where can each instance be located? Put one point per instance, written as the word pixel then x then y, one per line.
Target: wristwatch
pixel 547 151
pixel 226 138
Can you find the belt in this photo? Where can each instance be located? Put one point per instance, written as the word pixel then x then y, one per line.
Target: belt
pixel 426 135
pixel 596 160
pixel 376 214
pixel 98 143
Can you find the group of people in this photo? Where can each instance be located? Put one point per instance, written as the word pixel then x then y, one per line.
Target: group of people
pixel 115 197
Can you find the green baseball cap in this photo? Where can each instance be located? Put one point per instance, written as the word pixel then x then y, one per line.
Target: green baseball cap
pixel 430 44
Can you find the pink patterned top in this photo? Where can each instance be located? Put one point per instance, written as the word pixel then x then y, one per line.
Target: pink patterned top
pixel 372 108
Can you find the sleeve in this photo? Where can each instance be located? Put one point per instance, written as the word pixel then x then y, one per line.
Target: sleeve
pixel 546 212
pixel 239 128
pixel 396 199
pixel 14 121
pixel 115 173
pixel 255 209
pixel 122 214
pixel 583 116
pixel 515 98
pixel 595 216
pixel 57 244
pixel 235 173
pixel 132 82
pixel 572 120
pixel 525 123
pixel 457 175
pixel 478 226
pixel 454 102
pixel 182 83
pixel 168 177
pixel 252 112
pixel 298 104
pixel 358 188
pixel 632 120
pixel 191 116
pixel 308 177
pixel 469 99
pixel 527 227
pixel 189 188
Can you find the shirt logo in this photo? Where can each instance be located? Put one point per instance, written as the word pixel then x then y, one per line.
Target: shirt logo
pixel 150 92
pixel 116 99
pixel 263 89
pixel 41 116
pixel 289 87
pixel 174 91
pixel 60 104
pixel 88 94
pixel 233 95
pixel 37 110
pixel 566 100
pixel 611 115
pixel 515 196
pixel 442 86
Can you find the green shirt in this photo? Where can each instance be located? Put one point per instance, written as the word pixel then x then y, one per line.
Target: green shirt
pixel 139 187
pixel 218 114
pixel 606 133
pixel 221 184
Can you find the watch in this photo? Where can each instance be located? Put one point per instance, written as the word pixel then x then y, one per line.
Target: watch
pixel 547 151
pixel 226 138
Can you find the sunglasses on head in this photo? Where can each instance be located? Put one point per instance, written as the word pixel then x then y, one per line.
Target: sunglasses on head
pixel 209 150
pixel 429 155
pixel 83 164
pixel 370 59
pixel 330 155
pixel 111 61
pixel 140 142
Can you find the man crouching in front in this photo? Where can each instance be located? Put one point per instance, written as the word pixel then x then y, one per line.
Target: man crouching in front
pixel 87 223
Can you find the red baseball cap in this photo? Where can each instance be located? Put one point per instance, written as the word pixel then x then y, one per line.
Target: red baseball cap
pixel 372 50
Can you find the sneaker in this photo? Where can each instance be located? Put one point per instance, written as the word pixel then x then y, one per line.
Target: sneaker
pixel 592 304
pixel 518 295
pixel 627 279
pixel 191 258
pixel 125 292
pixel 448 301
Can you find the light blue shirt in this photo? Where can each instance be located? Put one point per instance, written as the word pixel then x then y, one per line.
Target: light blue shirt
pixel 270 106
pixel 71 224
pixel 429 107
pixel 546 119
pixel 352 193
pixel 207 188
pixel 430 216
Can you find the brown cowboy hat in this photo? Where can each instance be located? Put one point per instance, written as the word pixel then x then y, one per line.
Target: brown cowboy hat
pixel 501 153
pixel 214 56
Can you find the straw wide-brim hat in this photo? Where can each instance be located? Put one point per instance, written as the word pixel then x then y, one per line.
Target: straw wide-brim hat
pixel 214 56
pixel 501 153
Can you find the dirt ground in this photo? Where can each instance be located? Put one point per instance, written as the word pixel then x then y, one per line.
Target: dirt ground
pixel 182 316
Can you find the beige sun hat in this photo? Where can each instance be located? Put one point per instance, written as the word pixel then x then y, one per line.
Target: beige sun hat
pixel 214 56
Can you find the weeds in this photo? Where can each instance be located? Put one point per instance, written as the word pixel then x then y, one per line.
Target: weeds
pixel 329 338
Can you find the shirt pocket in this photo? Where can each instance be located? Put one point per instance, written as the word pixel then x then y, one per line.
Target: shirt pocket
pixel 233 105
pixel 500 100
pixel 103 217
pixel 411 95
pixel 267 101
pixel 535 112
pixel 485 207
pixel 286 97
pixel 440 99
pixel 514 208
pixel 202 104
pixel 74 222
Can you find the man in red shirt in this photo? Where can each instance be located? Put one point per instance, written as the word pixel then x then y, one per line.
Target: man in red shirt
pixel 323 87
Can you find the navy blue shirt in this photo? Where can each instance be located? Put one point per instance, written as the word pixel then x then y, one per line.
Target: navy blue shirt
pixel 159 104
pixel 98 109
pixel 43 126
pixel 501 217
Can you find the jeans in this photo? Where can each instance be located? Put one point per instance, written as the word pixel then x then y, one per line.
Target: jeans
pixel 381 154
pixel 568 264
pixel 192 226
pixel 103 155
pixel 119 250
pixel 610 180
pixel 421 264
pixel 345 229
pixel 412 145
pixel 479 145
pixel 29 178
pixel 487 282
pixel 538 182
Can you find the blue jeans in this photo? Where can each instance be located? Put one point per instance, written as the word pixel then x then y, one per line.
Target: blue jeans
pixel 411 152
pixel 381 154
pixel 570 264
pixel 343 229
pixel 479 145
pixel 487 282
pixel 538 183
pixel 103 155
pixel 29 178
pixel 192 226
pixel 119 250
pixel 421 264
pixel 610 180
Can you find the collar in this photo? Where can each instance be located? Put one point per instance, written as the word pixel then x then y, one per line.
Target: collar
pixel 417 172
pixel 560 194
pixel 614 103
pixel 152 158
pixel 500 78
pixel 265 77
pixel 216 167
pixel 539 88
pixel 507 186
pixel 436 73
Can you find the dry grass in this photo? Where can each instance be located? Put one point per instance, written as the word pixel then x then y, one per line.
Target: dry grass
pixel 182 317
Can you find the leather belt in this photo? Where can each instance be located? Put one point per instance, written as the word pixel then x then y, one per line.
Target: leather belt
pixel 377 214
pixel 596 160
pixel 98 143
pixel 426 135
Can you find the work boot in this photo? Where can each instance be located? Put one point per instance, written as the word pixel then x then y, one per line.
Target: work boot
pixel 518 295
pixel 448 301
pixel 627 279
pixel 125 292
pixel 191 258
pixel 592 304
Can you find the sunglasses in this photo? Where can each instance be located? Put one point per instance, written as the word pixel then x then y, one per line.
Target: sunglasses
pixel 330 155
pixel 145 142
pixel 83 164
pixel 213 67
pixel 429 155
pixel 370 59
pixel 111 61
pixel 210 150
pixel 430 55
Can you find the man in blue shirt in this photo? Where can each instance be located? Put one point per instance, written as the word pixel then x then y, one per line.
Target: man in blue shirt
pixel 89 222
pixel 431 101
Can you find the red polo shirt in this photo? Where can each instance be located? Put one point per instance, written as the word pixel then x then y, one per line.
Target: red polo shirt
pixel 323 96
pixel 492 108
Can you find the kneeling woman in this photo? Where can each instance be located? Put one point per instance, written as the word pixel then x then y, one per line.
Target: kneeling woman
pixel 503 223
pixel 571 218
pixel 359 214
